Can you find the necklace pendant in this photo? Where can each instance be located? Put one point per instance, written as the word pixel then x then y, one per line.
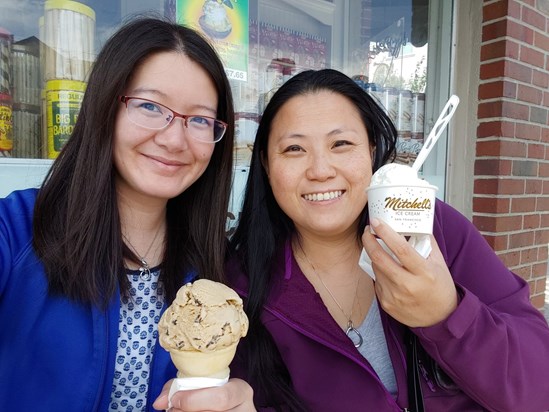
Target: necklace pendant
pixel 145 271
pixel 352 330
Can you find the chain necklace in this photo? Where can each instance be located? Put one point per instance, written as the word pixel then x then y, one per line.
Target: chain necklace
pixel 350 326
pixel 144 269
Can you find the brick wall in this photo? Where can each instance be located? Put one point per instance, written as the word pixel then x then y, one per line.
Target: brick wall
pixel 511 187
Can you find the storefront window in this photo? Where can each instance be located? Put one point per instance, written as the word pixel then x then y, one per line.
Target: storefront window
pixel 48 47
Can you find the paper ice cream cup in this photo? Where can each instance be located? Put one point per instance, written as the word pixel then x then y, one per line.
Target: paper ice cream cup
pixel 188 384
pixel 408 209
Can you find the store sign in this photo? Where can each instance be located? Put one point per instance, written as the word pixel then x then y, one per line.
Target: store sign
pixel 225 22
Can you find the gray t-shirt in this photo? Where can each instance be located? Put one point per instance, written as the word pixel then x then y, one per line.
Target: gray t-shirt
pixel 374 348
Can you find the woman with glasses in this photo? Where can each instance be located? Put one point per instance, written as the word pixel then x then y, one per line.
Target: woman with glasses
pixel 134 206
pixel 324 336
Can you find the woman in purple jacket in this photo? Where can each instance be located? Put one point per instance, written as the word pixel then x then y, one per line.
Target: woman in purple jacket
pixel 323 335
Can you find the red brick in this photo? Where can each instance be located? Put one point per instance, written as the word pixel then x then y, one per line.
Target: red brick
pixel 497 129
pixel 533 18
pixel 542 236
pixel 521 239
pixel 489 109
pixel 528 2
pixel 545 135
pixel 542 205
pixel 529 94
pixel 501 148
pixel 527 131
pixel 492 70
pixel 520 32
pixel 536 151
pixel 518 71
pixel 494 30
pixel 500 49
pixel 515 110
pixel 525 272
pixel 533 187
pixel 497 89
pixel 496 205
pixel 497 224
pixel 513 8
pixel 497 243
pixel 541 41
pixel 540 285
pixel 532 221
pixel 540 268
pixel 539 78
pixel 512 186
pixel 494 11
pixel 523 204
pixel 486 187
pixel 528 256
pixel 531 56
pixel 538 301
pixel 543 170
pixel 493 167
pixel 510 259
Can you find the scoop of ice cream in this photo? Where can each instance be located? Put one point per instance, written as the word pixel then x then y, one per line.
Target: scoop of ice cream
pixel 396 174
pixel 215 16
pixel 205 316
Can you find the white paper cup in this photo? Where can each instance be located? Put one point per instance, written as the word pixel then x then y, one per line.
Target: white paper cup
pixel 186 384
pixel 409 209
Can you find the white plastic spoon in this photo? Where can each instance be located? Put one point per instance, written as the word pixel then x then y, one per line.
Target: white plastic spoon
pixel 442 121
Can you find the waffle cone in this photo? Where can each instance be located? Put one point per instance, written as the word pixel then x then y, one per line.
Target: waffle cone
pixel 213 364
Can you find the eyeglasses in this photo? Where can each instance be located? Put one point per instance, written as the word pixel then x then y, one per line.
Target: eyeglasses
pixel 152 115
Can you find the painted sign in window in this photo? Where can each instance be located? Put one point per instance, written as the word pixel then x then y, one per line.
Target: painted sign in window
pixel 225 22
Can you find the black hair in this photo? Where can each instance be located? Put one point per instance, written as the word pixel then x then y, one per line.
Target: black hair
pixel 264 227
pixel 77 232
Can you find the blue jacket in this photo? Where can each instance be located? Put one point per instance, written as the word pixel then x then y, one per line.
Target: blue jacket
pixel 494 346
pixel 55 355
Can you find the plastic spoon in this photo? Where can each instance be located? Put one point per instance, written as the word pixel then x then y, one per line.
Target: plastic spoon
pixel 442 121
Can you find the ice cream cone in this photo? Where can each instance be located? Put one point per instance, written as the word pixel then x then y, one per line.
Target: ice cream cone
pixel 213 364
pixel 201 330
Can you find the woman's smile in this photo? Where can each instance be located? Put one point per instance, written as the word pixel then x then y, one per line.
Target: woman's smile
pixel 322 196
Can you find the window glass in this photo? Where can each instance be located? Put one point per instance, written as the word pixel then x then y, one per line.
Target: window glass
pixel 48 47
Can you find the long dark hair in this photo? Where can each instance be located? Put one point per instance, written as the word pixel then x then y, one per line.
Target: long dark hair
pixel 77 231
pixel 264 227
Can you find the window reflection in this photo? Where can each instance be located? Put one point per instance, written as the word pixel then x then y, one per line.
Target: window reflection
pixel 48 47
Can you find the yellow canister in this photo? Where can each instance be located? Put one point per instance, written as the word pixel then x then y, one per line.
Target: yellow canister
pixel 6 125
pixel 63 101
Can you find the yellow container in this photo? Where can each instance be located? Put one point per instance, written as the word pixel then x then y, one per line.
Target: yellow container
pixel 70 5
pixel 6 125
pixel 63 101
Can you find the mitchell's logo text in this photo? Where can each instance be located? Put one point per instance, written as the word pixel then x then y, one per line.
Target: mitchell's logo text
pixel 398 203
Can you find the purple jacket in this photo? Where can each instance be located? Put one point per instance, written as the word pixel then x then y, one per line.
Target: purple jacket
pixel 494 347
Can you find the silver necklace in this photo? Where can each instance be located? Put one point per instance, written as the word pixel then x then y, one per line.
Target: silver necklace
pixel 144 269
pixel 351 330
